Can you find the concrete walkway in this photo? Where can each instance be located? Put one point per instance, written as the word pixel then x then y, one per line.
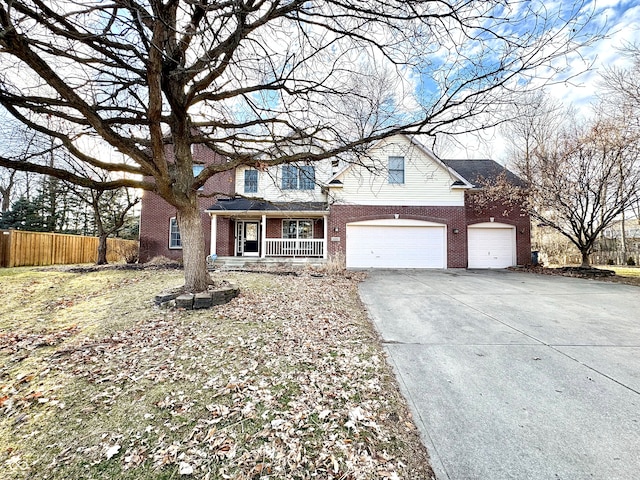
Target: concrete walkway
pixel 515 375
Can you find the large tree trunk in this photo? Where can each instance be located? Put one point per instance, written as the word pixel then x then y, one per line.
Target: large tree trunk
pixel 194 255
pixel 585 259
pixel 102 249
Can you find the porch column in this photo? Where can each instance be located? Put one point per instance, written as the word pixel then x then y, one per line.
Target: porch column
pixel 325 244
pixel 263 237
pixel 214 233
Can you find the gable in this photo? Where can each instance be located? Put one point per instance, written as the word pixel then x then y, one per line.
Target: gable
pixel 424 181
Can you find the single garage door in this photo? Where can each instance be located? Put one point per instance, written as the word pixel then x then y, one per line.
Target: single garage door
pixel 491 245
pixel 396 244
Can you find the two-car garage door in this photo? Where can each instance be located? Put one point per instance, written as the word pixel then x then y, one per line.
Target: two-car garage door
pixel 392 243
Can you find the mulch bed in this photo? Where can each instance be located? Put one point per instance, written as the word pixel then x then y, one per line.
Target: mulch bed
pixel 580 272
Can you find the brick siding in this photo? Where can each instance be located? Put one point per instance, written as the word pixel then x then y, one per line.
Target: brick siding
pixel 225 237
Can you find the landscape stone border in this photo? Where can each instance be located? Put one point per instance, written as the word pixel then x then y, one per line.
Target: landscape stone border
pixel 196 301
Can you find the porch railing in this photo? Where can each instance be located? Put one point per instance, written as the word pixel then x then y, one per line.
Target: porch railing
pixel 285 247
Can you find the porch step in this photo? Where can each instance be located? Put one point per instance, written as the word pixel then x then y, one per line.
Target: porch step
pixel 229 263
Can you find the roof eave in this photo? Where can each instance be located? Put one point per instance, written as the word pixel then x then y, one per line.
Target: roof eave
pixel 269 213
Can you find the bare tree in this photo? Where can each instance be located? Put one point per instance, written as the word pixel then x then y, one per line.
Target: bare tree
pixel 16 139
pixel 265 82
pixel 583 180
pixel 620 87
pixel 531 123
pixel 620 101
pixel 110 210
pixel 7 184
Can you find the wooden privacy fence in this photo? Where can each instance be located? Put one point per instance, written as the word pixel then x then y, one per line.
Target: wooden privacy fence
pixel 19 248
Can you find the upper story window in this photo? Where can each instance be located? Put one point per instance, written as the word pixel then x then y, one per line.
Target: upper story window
pixel 174 234
pixel 396 169
pixel 250 181
pixel 298 177
pixel 197 169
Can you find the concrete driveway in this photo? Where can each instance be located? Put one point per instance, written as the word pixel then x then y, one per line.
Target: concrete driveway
pixel 515 375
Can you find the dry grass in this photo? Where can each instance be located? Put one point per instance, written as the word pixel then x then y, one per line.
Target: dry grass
pixel 626 275
pixel 629 272
pixel 286 381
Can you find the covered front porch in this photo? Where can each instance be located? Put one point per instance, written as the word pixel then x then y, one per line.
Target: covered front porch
pixel 247 228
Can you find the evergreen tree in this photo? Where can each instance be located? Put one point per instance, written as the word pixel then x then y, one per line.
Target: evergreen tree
pixel 24 214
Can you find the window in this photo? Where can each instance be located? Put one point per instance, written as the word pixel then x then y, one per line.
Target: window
pixel 250 181
pixel 174 234
pixel 298 178
pixel 197 169
pixel 396 169
pixel 297 229
pixel 307 177
pixel 289 177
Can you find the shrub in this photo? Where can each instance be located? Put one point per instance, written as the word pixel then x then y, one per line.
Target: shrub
pixel 162 260
pixel 129 252
pixel 610 262
pixel 631 262
pixel 335 265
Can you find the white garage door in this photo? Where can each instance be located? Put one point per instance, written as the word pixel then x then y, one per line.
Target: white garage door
pixel 396 244
pixel 491 245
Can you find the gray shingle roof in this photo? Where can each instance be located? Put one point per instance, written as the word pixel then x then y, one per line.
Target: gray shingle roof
pixel 245 204
pixel 475 171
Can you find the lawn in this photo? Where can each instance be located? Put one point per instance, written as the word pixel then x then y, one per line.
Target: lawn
pixel 630 272
pixel 287 381
pixel 627 275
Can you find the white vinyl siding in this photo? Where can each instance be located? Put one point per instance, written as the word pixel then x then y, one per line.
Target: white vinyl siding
pixel 396 244
pixel 491 245
pixel 270 184
pixel 426 181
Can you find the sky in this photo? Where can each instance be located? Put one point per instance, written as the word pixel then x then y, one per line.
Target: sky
pixel 621 22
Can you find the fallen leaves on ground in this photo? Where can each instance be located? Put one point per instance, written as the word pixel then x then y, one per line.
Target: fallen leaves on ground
pixel 287 381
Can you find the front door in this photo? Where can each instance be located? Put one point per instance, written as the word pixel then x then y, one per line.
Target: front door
pixel 248 238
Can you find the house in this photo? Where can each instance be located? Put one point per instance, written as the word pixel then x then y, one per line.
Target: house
pixel 401 207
